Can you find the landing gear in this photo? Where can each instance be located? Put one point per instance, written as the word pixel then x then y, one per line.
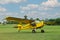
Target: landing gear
pixel 42 31
pixel 19 30
pixel 33 31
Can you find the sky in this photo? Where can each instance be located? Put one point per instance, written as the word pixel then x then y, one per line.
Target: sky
pixel 41 9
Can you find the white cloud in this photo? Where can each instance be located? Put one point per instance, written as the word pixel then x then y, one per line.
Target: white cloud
pixel 31 10
pixel 42 15
pixel 56 15
pixel 32 5
pixel 2 9
pixel 32 13
pixel 37 10
pixel 11 1
pixel 50 3
pixel 44 8
pixel 24 8
pixel 29 7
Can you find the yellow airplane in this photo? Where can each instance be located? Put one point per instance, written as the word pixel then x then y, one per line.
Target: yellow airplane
pixel 27 24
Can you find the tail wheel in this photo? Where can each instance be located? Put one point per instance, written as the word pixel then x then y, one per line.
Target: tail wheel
pixel 19 30
pixel 42 31
pixel 33 31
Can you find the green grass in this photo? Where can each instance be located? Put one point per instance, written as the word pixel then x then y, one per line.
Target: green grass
pixel 7 32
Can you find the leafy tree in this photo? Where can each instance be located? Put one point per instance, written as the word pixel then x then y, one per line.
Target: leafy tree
pixel 38 19
pixel 50 22
pixel 53 21
pixel 31 19
pixel 58 21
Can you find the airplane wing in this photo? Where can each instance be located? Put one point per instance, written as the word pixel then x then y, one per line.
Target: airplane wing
pixel 19 20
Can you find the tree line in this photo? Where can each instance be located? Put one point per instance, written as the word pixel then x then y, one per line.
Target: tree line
pixel 55 21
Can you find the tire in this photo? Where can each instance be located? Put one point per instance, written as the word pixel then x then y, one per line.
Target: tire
pixel 33 31
pixel 42 31
pixel 18 30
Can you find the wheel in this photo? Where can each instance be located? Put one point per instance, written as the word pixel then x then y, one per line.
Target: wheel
pixel 42 31
pixel 33 31
pixel 18 30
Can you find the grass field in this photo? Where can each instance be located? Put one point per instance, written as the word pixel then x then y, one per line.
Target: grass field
pixel 7 32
